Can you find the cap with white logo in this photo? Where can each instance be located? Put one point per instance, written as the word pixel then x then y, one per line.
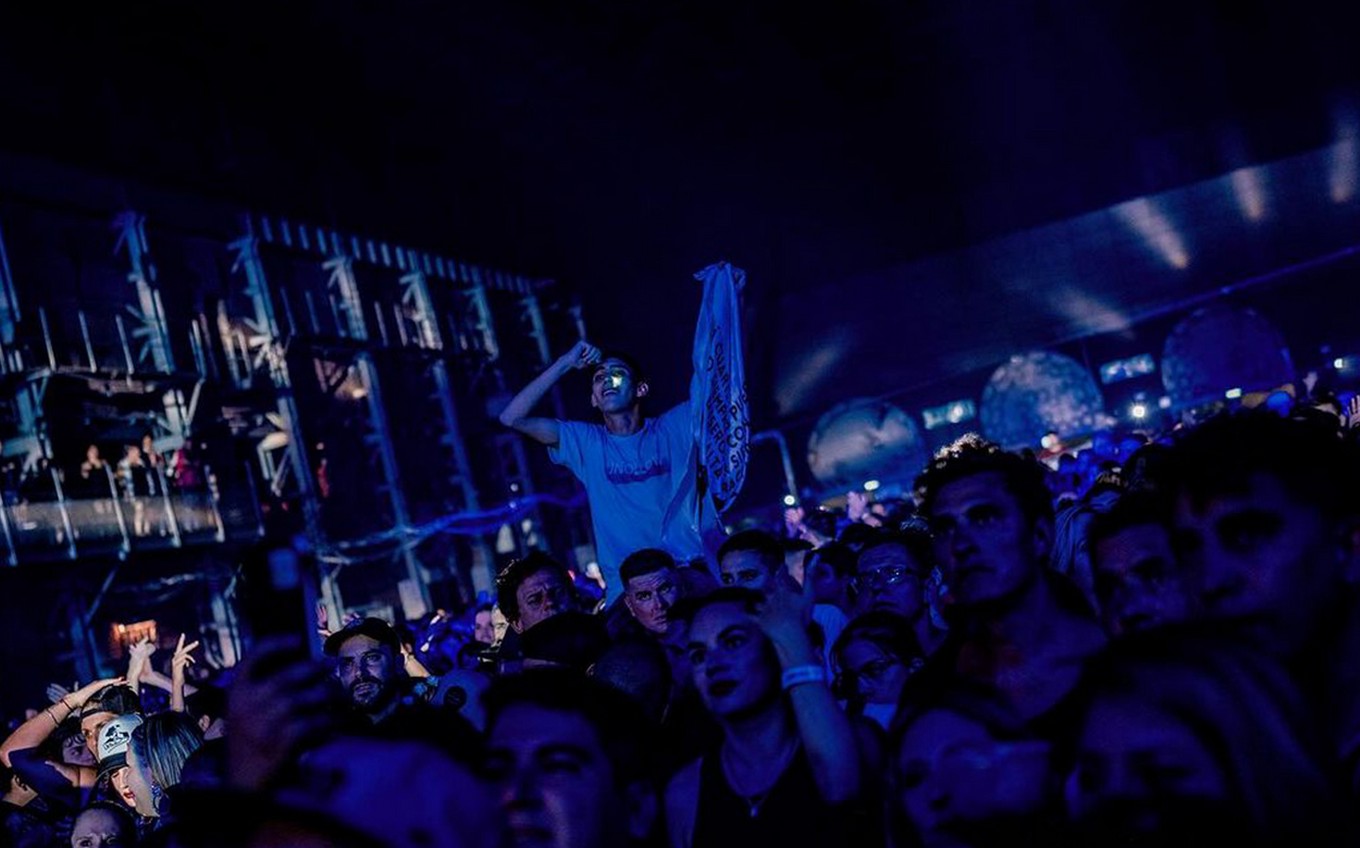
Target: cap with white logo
pixel 114 738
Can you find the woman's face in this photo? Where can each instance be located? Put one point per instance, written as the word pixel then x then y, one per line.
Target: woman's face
pixel 952 775
pixel 1136 765
pixel 119 781
pixel 876 675
pixel 96 828
pixel 730 661
pixel 139 781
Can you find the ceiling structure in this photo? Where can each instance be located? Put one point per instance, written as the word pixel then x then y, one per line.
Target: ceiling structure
pixel 970 177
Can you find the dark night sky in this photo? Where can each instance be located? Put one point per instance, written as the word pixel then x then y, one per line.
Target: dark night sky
pixel 620 146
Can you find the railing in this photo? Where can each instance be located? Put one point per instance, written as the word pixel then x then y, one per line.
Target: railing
pixel 68 520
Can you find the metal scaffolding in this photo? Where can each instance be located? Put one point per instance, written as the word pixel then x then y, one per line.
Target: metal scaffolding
pixel 405 347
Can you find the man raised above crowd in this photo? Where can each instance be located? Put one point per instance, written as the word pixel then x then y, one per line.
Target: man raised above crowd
pixel 653 482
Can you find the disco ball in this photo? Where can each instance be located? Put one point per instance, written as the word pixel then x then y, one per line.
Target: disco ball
pixel 863 440
pixel 1037 393
pixel 1220 348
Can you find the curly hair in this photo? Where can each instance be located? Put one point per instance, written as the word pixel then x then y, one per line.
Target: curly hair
pixel 970 455
pixel 520 570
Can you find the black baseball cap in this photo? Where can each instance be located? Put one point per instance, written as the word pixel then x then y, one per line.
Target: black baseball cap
pixel 374 628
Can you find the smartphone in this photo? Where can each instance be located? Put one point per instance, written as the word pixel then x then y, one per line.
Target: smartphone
pixel 279 582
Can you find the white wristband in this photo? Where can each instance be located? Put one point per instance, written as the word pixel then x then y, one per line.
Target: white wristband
pixel 800 674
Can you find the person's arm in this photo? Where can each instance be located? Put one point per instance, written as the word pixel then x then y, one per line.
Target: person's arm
pixel 414 667
pixel 139 658
pixel 151 677
pixel 516 413
pixel 35 731
pixel 55 782
pixel 182 659
pixel 826 732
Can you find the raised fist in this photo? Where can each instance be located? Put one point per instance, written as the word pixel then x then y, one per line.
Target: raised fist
pixel 582 355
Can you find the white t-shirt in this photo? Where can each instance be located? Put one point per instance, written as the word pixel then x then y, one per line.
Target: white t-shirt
pixel 631 481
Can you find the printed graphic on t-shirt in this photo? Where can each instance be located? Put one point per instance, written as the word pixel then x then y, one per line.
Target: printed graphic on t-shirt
pixel 622 472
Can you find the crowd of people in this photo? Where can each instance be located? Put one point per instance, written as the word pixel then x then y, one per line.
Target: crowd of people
pixel 141 471
pixel 139 479
pixel 1151 644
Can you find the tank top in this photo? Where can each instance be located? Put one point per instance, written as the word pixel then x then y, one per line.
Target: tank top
pixel 791 813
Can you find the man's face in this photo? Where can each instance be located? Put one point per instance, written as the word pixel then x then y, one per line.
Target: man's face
pixel 987 547
pixel 1261 557
pixel 729 661
pixel 888 578
pixel 1137 580
pixel 366 670
pixel 613 388
pixel 483 630
pixel 554 781
pixel 90 725
pixel 649 597
pixel 745 569
pixel 542 596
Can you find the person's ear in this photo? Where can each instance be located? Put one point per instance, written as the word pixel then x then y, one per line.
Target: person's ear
pixel 204 722
pixel 643 388
pixel 517 626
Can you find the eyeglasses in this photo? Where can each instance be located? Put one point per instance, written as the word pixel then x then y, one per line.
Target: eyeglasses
pixel 846 684
pixel 887 576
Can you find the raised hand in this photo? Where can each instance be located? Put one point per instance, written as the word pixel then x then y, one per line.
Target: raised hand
pixel 183 656
pixel 856 505
pixel 279 703
pixel 181 660
pixel 583 354
pixel 83 694
pixel 56 692
pixel 323 618
pixel 786 612
pixel 139 661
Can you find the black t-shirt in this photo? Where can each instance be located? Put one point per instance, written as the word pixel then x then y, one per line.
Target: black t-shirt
pixel 791 813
